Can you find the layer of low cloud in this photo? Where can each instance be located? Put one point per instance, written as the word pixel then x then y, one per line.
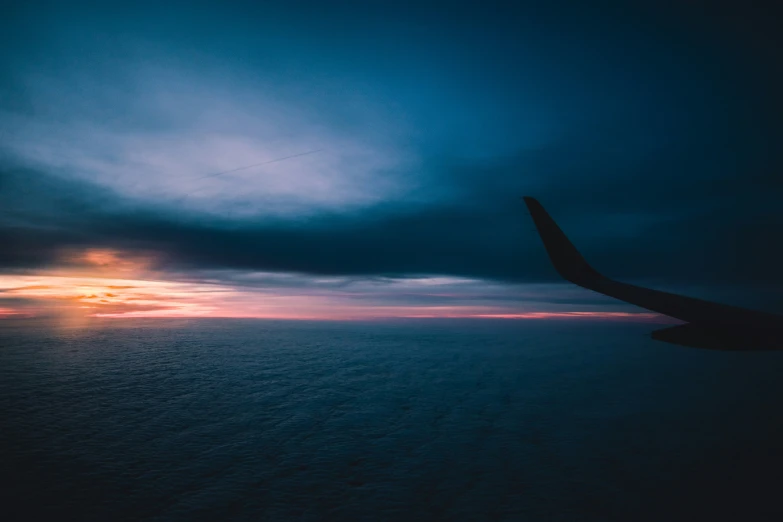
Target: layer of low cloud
pixel 104 283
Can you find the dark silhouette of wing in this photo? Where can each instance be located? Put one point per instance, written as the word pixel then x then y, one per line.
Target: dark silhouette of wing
pixel 712 325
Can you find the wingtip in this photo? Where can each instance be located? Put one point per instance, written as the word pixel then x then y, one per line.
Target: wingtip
pixel 566 259
pixel 531 202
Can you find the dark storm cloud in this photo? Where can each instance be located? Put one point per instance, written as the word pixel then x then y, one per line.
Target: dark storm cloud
pixel 628 223
pixel 656 148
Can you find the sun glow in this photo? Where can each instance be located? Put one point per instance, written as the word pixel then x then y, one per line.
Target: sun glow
pixel 112 284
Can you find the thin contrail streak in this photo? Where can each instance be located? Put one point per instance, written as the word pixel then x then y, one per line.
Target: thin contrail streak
pixel 214 174
pixel 258 164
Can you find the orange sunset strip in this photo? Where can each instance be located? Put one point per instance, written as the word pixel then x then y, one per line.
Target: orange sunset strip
pixel 105 283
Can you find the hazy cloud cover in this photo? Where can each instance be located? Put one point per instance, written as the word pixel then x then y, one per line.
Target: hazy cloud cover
pixel 651 134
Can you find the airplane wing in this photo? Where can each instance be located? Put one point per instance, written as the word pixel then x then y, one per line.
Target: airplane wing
pixel 709 322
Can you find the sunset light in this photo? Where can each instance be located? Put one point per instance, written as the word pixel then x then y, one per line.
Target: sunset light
pixel 106 283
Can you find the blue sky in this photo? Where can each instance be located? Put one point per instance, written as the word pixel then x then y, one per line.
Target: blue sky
pixel 651 133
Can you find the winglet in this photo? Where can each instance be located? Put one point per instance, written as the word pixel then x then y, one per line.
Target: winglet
pixel 566 259
pixel 710 325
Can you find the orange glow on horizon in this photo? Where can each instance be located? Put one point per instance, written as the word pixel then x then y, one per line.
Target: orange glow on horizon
pixel 8 313
pixel 102 283
pixel 555 315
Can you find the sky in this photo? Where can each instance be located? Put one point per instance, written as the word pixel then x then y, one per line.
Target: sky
pixel 355 160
